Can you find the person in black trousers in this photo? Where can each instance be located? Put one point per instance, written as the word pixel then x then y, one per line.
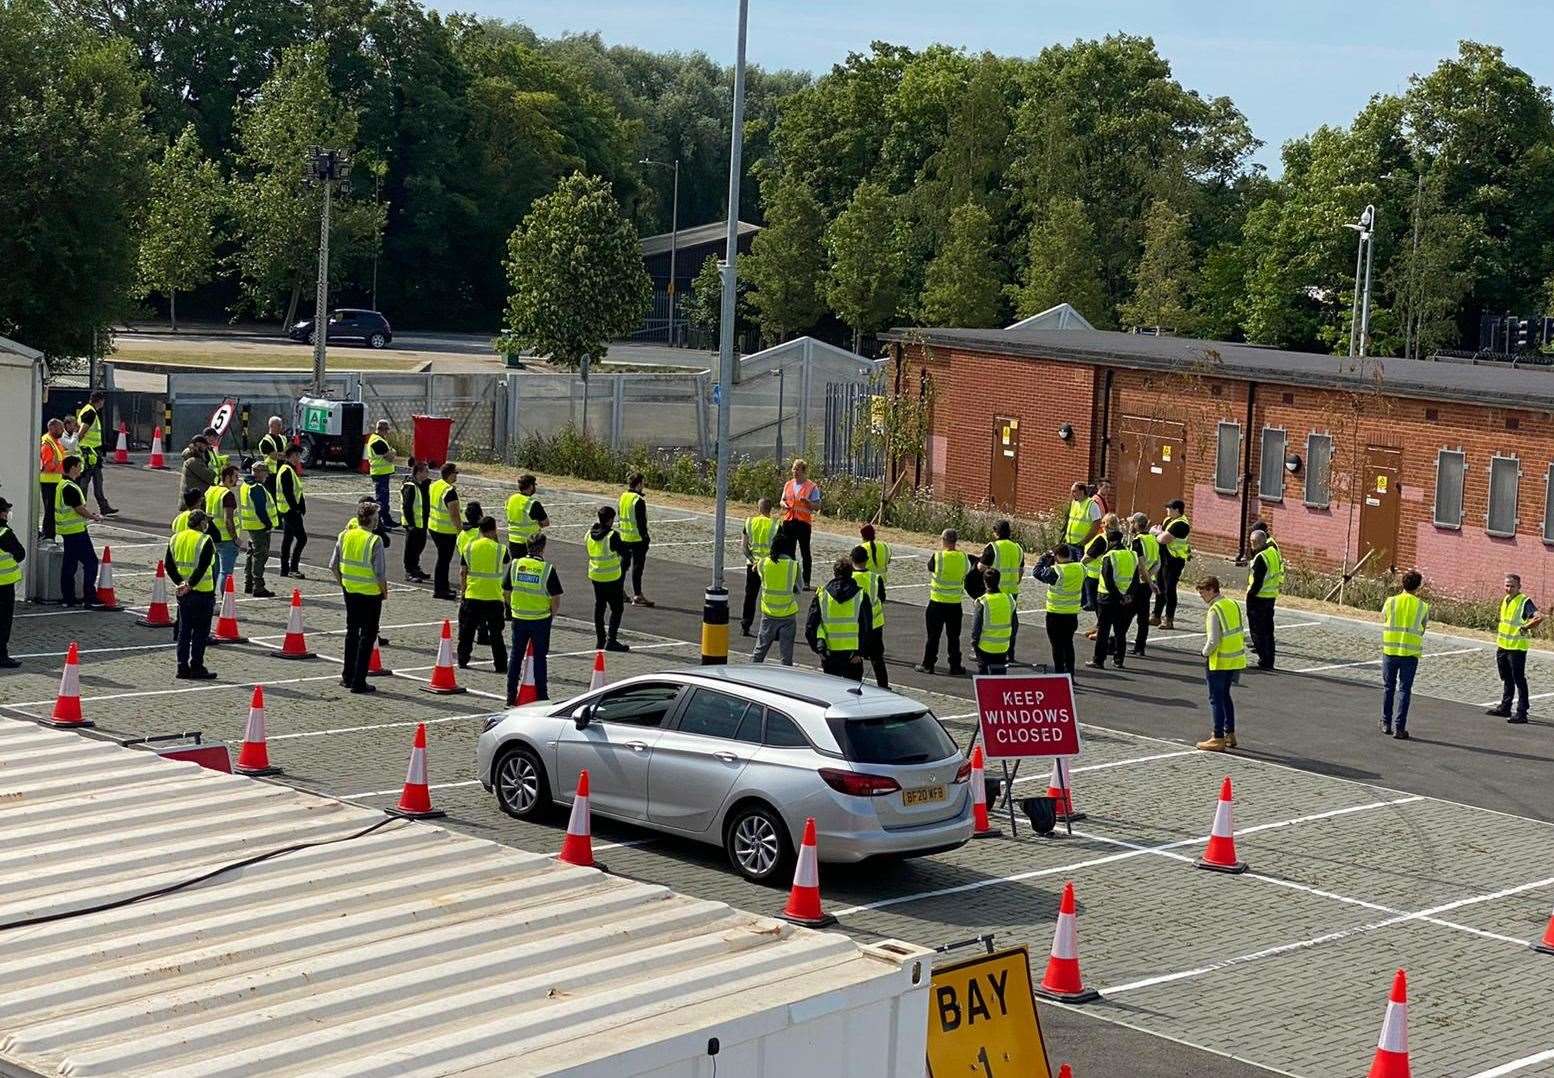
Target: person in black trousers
pixel 1119 573
pixel 1174 527
pixel 12 554
pixel 1064 578
pixel 288 492
pixel 609 595
pixel 196 604
pixel 363 597
pixel 635 540
pixel 413 515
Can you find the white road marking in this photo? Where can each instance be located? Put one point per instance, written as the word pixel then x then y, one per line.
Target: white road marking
pixel 93 651
pixel 432 721
pixel 1516 1065
pixel 1496 702
pixel 1175 635
pixel 210 687
pixel 1377 661
pixel 399 789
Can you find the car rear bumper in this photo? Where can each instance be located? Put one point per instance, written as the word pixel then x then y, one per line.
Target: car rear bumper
pixel 855 837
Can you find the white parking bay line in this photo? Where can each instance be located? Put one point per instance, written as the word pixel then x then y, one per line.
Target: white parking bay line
pixel 1497 702
pixel 1377 661
pixel 1174 635
pixel 1516 1065
pixel 432 721
pixel 399 789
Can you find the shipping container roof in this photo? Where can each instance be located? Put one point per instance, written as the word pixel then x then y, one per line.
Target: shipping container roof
pixel 1489 383
pixel 407 949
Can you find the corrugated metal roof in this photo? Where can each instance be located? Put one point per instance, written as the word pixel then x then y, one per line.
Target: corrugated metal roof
pixel 712 232
pixel 410 950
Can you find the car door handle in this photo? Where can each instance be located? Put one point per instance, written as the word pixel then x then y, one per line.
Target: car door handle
pixel 637 746
pixel 727 757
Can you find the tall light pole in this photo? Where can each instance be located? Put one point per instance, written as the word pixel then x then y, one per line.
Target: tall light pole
pixel 714 628
pixel 674 236
pixel 326 168
pixel 1360 307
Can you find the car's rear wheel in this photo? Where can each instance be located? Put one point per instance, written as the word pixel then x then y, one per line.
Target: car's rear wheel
pixel 377 340
pixel 758 846
pixel 521 788
pixel 312 337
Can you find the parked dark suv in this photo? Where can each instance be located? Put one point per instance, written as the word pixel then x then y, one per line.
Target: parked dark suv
pixel 349 324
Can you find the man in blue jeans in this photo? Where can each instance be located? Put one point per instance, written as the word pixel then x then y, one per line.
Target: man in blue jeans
pixel 1403 620
pixel 1224 653
pixel 533 594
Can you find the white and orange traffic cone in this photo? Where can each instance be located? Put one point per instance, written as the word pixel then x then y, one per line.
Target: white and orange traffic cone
pixel 981 828
pixel 67 705
pixel 415 801
pixel 597 680
pixel 157 615
pixel 254 757
pixel 121 451
pixel 1061 790
pixel 375 667
pixel 295 646
pixel 1220 854
pixel 157 462
pixel 1392 1048
pixel 226 625
pixel 578 847
pixel 803 906
pixel 1546 944
pixel 527 692
pixel 107 598
pixel 1062 981
pixel 443 681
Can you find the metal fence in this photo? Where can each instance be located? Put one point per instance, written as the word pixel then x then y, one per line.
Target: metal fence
pixel 850 448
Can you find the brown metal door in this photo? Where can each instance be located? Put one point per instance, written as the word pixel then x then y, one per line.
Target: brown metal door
pixel 1150 464
pixel 1381 500
pixel 1004 472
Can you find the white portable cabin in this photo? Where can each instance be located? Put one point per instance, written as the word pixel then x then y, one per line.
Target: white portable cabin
pixel 21 403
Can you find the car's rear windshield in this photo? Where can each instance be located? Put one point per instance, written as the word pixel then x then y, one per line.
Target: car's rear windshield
pixel 911 738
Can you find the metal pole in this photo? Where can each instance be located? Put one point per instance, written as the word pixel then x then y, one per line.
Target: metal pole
pixel 1354 303
pixel 1365 309
pixel 781 378
pixel 321 299
pixel 674 245
pixel 714 630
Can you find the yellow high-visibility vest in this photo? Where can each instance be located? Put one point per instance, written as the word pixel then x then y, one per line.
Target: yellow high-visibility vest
pixel 949 576
pixel 357 574
pixel 997 623
pixel 1511 635
pixel 1231 652
pixel 1009 560
pixel 1403 618
pixel 187 546
pixel 838 622
pixel 483 565
pixel 439 519
pixel 779 587
pixel 1064 597
pixel 626 517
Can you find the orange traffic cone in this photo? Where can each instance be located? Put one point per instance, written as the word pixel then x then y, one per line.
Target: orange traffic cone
pixel 254 757
pixel 443 682
pixel 157 614
pixel 1062 793
pixel 375 667
pixel 804 900
pixel 527 693
pixel 1062 981
pixel 295 646
pixel 1064 1072
pixel 156 462
pixel 597 681
pixel 1546 944
pixel 980 826
pixel 121 451
pixel 226 624
pixel 578 847
pixel 107 598
pixel 1392 1048
pixel 415 802
pixel 67 705
pixel 1220 855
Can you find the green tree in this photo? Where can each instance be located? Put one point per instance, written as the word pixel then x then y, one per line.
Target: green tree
pixel 1164 280
pixel 961 286
pixel 72 173
pixel 1219 305
pixel 575 265
pixel 787 262
pixel 178 227
pixel 863 285
pixel 1061 265
pixel 704 306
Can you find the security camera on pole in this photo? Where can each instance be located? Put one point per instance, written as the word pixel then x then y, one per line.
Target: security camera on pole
pixel 326 169
pixel 1360 308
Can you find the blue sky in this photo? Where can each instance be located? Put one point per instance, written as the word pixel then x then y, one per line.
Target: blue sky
pixel 1289 64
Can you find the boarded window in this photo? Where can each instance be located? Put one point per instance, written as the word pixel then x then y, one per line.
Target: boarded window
pixel 1270 473
pixel 1505 475
pixel 1548 506
pixel 1450 466
pixel 1319 470
pixel 1227 458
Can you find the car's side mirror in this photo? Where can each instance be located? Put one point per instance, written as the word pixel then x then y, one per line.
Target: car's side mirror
pixel 582 716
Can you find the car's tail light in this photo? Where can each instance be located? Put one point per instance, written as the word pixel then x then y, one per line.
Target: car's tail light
pixel 964 774
pixel 856 784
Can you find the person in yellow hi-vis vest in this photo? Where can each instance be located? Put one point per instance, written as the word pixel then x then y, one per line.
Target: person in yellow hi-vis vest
pixel 1265 580
pixel 1065 580
pixel 442 524
pixel 947 572
pixel 533 594
pixel 779 601
pixel 1518 618
pixel 360 568
pixel 190 561
pixel 840 619
pixel 608 577
pixel 992 625
pixel 483 566
pixel 525 517
pixel 12 554
pixel 874 587
pixel 71 518
pixel 1403 620
pixel 380 465
pixel 631 518
pixel 756 544
pixel 1224 652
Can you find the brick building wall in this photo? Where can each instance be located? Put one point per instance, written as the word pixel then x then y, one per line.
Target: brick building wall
pixel 973 389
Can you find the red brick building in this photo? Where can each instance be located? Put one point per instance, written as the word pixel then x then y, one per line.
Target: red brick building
pixel 1444 466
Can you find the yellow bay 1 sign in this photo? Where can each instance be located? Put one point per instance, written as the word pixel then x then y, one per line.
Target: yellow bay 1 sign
pixel 982 1020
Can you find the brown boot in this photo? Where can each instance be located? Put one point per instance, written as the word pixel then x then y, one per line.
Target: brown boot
pixel 1155 620
pixel 1168 624
pixel 1213 744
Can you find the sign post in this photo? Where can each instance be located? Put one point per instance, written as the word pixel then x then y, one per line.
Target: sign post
pixel 1024 716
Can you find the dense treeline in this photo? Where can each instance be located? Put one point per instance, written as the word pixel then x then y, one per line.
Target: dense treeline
pixel 153 149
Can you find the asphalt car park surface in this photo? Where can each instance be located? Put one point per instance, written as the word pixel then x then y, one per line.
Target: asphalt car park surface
pixel 1366 854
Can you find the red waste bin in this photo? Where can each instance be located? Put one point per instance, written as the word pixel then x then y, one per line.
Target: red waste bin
pixel 431 438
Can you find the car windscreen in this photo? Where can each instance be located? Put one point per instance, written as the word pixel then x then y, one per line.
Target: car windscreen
pixel 913 737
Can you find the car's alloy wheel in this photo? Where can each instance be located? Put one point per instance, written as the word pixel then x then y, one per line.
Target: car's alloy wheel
pixel 520 784
pixel 377 340
pixel 758 845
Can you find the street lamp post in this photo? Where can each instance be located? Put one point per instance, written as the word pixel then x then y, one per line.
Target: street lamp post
pixel 326 168
pixel 1360 306
pixel 674 236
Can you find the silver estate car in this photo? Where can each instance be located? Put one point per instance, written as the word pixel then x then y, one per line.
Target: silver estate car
pixel 738 756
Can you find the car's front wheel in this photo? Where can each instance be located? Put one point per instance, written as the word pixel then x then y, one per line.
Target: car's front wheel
pixel 521 788
pixel 377 340
pixel 758 846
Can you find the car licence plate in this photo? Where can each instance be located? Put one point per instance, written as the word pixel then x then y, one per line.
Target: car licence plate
pixel 923 795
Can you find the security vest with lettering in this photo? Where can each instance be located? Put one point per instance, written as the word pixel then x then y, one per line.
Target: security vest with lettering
pixel 1009 560
pixel 1403 618
pixel 10 569
pixel 282 499
pixel 949 576
pixel 66 520
pixel 779 587
pixel 838 621
pixel 415 515
pixel 626 517
pixel 759 530
pixel 1078 521
pixel 527 578
pixel 1064 597
pixel 604 561
pixel 214 496
pixel 248 512
pixel 357 574
pixel 438 518
pixel 1150 550
pixel 1273 571
pixel 483 564
pixel 1231 652
pixel 879 558
pixel 51 459
pixel 1511 634
pixel 869 583
pixel 379 464
pixel 1124 564
pixel 521 527
pixel 187 546
pixel 1180 549
pixel 997 623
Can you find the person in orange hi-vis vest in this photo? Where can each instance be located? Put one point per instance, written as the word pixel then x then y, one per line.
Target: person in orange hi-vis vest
pixel 51 469
pixel 800 503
